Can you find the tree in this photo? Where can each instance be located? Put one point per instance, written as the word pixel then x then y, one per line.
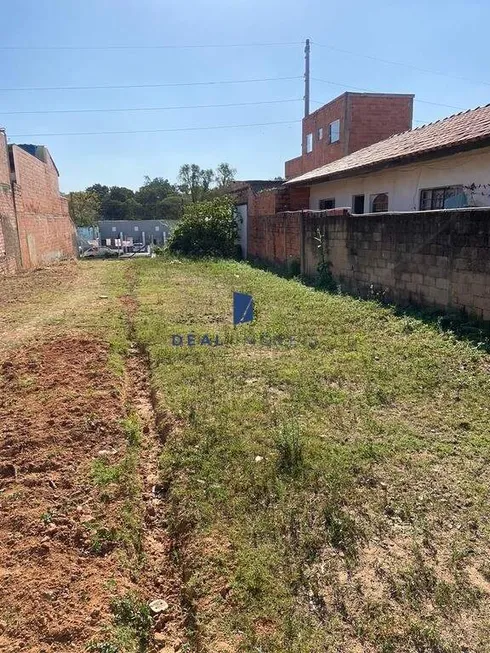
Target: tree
pixel 120 193
pixel 101 191
pixel 114 210
pixel 195 181
pixel 224 175
pixel 157 197
pixel 84 207
pixel 208 228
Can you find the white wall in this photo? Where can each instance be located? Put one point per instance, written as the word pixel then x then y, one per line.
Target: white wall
pixel 403 184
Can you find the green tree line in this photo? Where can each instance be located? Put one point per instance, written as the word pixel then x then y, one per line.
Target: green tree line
pixel 156 199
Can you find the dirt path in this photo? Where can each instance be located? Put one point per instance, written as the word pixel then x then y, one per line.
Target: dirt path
pixel 54 300
pixel 160 576
pixel 84 543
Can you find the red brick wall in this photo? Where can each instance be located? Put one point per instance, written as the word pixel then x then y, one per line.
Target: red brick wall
pixel 9 240
pixel 376 117
pixel 46 232
pixel 365 118
pixel 323 151
pixel 274 235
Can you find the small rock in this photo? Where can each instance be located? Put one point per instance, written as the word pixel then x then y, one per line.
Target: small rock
pixel 107 452
pixel 158 605
pixel 258 459
pixel 103 296
pixel 160 638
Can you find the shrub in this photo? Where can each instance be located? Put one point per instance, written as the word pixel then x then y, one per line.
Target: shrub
pixel 208 228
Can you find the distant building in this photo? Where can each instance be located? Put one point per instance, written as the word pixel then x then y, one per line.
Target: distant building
pixel 134 232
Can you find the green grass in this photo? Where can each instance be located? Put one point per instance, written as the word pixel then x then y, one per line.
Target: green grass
pixel 327 486
pixel 131 629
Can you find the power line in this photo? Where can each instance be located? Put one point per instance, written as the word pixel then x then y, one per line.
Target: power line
pixel 167 84
pixel 405 65
pixel 189 106
pixel 369 90
pixel 150 47
pixel 157 131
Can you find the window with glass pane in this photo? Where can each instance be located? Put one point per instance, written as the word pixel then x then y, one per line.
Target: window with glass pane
pixel 334 131
pixel 432 199
pixel 309 143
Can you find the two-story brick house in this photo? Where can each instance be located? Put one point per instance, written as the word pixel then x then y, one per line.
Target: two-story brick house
pixel 347 124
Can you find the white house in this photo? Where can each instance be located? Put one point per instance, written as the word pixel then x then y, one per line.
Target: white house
pixel 445 164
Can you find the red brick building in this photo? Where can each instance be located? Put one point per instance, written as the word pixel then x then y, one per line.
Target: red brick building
pixel 35 226
pixel 347 124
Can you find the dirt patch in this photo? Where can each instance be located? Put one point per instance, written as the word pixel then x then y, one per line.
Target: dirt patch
pixel 59 407
pixel 160 576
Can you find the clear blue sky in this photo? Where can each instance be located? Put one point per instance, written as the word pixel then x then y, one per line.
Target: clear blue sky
pixel 443 35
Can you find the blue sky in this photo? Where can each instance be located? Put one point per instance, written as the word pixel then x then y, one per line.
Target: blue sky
pixel 443 35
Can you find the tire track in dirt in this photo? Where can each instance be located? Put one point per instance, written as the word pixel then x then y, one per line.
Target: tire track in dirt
pixel 163 575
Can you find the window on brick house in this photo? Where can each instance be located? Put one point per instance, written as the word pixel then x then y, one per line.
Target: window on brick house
pixel 435 198
pixel 329 203
pixel 320 133
pixel 309 143
pixel 334 131
pixel 379 203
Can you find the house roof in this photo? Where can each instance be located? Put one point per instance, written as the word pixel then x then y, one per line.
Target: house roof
pixel 462 131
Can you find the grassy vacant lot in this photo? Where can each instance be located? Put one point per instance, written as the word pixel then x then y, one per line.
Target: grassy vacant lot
pixel 330 496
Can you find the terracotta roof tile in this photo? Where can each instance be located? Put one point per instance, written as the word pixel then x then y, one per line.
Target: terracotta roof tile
pixel 466 127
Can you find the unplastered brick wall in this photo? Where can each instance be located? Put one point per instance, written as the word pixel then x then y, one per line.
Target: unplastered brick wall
pixel 9 240
pixel 46 232
pixel 436 258
pixel 274 234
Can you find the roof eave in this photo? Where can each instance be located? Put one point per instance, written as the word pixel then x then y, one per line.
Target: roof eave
pixel 396 161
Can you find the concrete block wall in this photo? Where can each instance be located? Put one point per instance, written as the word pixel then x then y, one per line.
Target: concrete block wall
pixel 436 259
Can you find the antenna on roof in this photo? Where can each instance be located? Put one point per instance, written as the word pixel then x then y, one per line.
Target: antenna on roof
pixel 307 78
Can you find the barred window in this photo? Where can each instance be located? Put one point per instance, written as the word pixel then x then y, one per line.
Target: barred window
pixel 432 199
pixel 379 203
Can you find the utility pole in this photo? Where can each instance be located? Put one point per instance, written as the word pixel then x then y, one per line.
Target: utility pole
pixel 307 78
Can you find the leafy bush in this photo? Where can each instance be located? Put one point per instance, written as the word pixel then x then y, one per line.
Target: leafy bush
pixel 208 228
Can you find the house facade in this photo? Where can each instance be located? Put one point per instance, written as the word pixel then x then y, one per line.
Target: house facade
pixel 441 165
